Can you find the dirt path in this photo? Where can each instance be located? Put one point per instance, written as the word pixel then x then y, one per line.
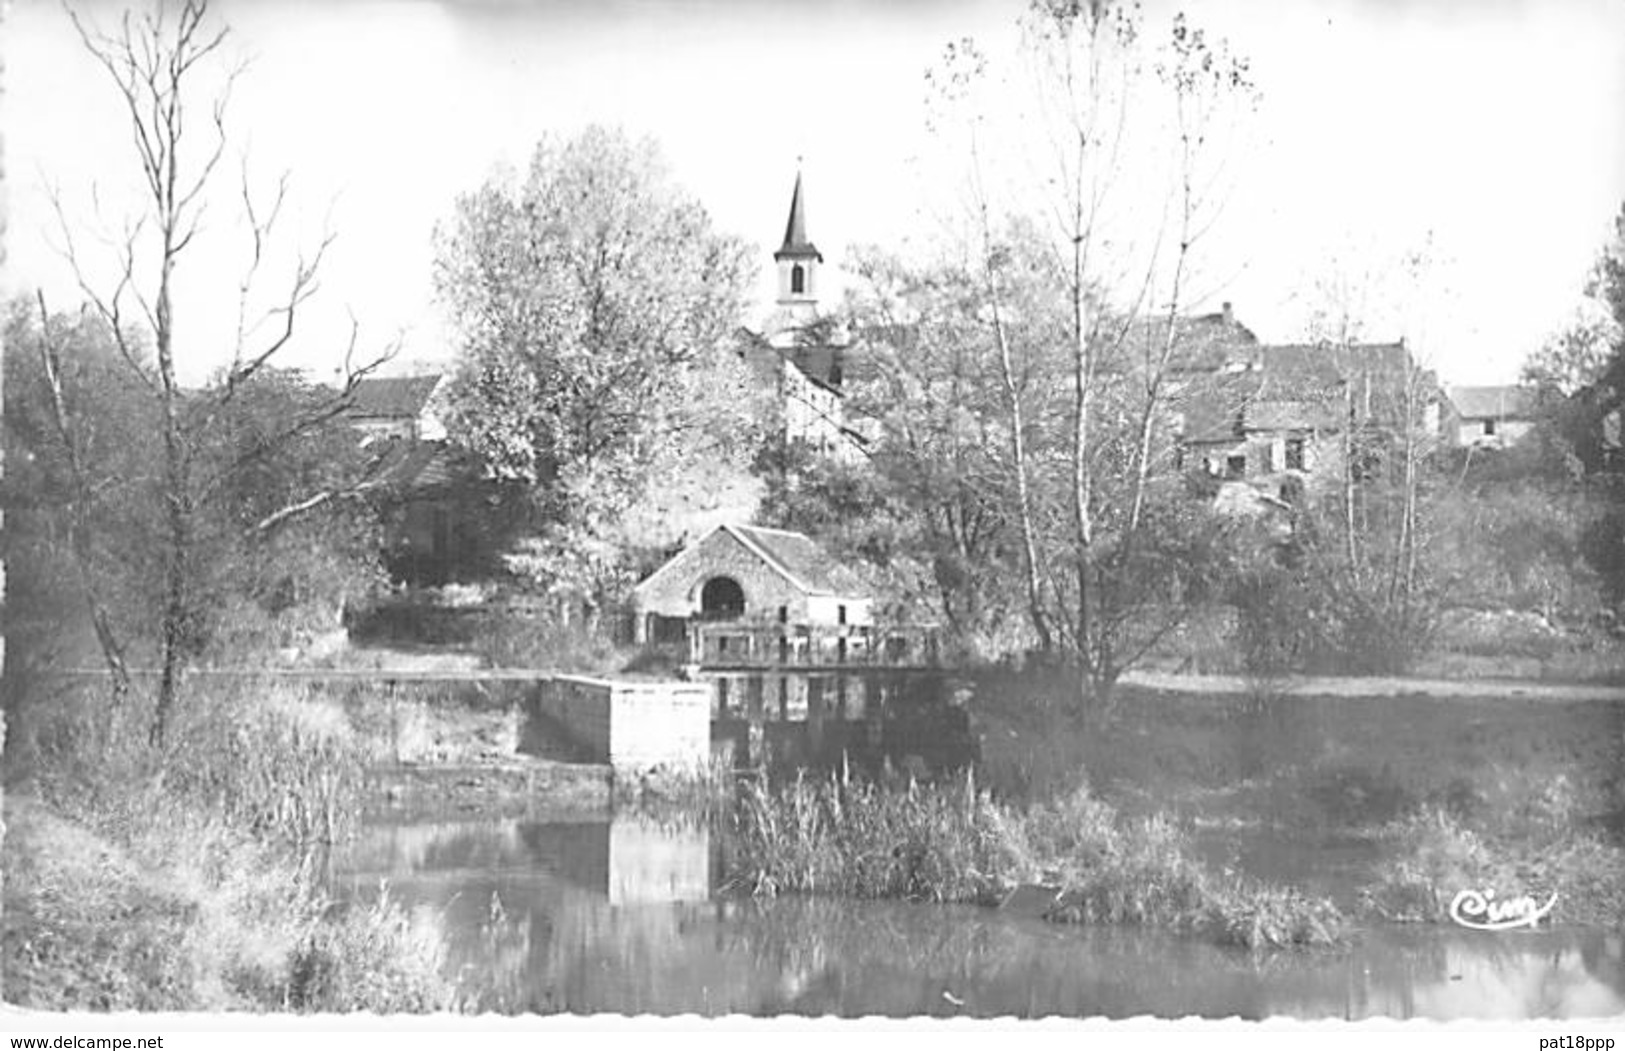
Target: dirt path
pixel 1328 686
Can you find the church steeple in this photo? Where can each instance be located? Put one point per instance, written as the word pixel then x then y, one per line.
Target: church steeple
pixel 798 260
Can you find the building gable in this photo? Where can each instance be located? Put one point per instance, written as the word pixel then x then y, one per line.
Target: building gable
pixel 782 575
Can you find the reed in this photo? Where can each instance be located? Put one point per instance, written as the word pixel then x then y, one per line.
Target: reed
pixel 950 843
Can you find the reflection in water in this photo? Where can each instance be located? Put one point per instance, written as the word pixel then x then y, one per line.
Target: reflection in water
pixel 618 917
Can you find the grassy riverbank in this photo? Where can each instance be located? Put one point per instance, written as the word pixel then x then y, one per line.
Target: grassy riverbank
pixel 1392 804
pixel 1540 849
pixel 1075 860
pixel 188 878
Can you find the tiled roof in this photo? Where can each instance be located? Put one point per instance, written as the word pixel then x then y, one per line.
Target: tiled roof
pixel 1297 387
pixel 806 563
pixel 1501 403
pixel 392 397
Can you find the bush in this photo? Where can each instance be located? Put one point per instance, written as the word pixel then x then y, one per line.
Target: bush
pixel 516 640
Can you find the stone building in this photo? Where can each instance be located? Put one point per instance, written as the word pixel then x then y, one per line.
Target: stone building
pixel 1282 418
pixel 750 575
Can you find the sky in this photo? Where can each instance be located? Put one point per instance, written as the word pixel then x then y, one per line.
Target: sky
pixel 1492 131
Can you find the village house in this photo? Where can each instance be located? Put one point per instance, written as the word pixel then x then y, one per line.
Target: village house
pixel 1492 417
pixel 440 519
pixel 406 407
pixel 1284 418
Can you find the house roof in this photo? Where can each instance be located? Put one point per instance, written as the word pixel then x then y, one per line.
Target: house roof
pixel 1297 386
pixel 801 560
pixel 794 556
pixel 393 397
pixel 1504 402
pixel 796 245
pixel 1203 343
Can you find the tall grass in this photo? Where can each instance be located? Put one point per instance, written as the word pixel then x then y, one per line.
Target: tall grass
pixel 286 767
pixel 951 843
pixel 187 877
pixel 858 839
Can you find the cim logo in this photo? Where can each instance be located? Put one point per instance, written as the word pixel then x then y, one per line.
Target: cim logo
pixel 1480 911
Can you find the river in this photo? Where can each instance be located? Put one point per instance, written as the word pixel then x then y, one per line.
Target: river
pixel 623 916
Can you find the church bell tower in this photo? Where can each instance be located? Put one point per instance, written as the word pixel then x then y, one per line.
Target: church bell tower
pixel 798 263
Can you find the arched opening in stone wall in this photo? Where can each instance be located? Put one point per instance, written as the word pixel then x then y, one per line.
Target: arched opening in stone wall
pixel 722 599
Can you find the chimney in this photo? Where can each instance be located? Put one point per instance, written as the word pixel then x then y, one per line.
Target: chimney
pixel 1229 314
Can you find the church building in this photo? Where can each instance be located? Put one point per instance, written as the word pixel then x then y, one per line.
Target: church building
pixel 802 351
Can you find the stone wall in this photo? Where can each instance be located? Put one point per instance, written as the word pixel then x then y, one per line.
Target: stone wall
pixel 580 705
pixel 665 724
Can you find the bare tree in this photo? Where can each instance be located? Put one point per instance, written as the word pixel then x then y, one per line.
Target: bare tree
pixel 160 64
pixel 1091 73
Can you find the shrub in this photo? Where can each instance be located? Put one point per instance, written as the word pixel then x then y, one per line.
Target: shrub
pixel 1255 916
pixel 531 639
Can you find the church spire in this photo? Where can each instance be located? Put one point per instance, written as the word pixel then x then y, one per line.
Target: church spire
pixel 796 245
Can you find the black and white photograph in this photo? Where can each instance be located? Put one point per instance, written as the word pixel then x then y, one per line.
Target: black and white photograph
pixel 1038 513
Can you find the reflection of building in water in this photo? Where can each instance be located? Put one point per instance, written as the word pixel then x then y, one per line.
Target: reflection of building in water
pixel 626 859
pixel 651 863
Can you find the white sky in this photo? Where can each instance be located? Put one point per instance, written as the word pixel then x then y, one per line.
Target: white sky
pixel 1496 125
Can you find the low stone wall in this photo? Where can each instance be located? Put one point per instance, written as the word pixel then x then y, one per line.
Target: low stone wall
pixel 581 707
pixel 630 725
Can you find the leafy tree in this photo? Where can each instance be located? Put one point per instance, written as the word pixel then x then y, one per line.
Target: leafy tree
pixel 1581 376
pixel 1581 371
pixel 79 515
pixel 87 512
pixel 595 304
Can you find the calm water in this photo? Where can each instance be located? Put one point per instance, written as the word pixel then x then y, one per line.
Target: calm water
pixel 620 916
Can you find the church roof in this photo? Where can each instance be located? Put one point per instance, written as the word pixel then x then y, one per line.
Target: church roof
pixel 796 245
